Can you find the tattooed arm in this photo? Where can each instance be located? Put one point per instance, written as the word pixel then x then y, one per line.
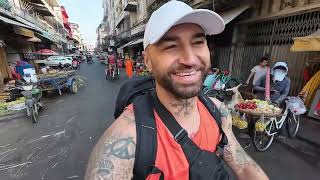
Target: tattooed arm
pixel 113 156
pixel 240 162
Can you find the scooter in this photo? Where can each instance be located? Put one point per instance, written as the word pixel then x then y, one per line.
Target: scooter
pixel 33 96
pixel 75 65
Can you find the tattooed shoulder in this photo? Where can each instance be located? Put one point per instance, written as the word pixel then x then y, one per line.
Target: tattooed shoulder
pixel 128 117
pixel 114 158
pixel 113 155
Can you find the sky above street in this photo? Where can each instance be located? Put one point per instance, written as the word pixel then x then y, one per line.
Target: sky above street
pixel 87 13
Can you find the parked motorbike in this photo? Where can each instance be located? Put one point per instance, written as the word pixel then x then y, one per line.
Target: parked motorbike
pixel 33 96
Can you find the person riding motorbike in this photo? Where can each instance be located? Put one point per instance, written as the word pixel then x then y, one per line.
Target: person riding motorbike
pixel 89 59
pixel 75 63
pixel 279 84
pixel 112 65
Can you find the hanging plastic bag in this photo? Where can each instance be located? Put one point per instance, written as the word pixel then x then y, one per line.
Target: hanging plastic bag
pixel 218 85
pixel 296 105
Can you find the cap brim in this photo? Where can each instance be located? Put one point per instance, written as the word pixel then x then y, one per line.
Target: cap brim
pixel 209 21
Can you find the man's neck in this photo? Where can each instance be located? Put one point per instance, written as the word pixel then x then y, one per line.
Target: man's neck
pixel 181 109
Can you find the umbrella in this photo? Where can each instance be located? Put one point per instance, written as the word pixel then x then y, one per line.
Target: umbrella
pixel 307 43
pixel 48 52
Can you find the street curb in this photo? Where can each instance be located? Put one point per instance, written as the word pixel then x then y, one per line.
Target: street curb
pixel 12 115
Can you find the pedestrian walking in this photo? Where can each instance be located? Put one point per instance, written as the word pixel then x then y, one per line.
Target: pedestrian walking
pixel 171 132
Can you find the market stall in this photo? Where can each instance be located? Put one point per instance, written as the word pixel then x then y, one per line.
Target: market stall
pixel 311 90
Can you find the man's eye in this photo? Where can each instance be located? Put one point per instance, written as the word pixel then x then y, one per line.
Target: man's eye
pixel 198 42
pixel 170 47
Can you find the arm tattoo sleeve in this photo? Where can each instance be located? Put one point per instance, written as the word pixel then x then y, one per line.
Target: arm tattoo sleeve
pixel 224 110
pixel 115 159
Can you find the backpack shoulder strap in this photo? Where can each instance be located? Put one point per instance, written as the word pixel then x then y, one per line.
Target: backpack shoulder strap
pixel 146 146
pixel 215 112
pixel 212 108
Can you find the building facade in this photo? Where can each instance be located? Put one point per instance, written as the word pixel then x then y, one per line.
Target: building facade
pixel 27 26
pixel 79 43
pixel 254 28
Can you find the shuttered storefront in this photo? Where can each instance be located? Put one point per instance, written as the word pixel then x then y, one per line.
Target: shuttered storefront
pixel 272 38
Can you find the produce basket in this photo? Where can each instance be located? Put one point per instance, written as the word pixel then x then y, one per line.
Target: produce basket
pixel 259 113
pixel 256 107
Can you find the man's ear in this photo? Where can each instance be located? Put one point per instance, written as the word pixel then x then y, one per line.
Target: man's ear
pixel 147 60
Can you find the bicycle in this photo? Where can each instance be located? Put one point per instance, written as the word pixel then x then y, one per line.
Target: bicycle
pixel 262 140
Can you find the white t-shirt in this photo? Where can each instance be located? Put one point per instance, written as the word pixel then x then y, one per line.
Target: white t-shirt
pixel 258 72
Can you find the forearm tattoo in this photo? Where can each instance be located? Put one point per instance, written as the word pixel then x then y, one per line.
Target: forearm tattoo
pixel 237 158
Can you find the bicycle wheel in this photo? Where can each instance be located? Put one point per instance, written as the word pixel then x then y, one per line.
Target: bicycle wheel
pixel 261 140
pixel 292 124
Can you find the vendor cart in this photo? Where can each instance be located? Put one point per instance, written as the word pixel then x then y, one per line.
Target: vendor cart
pixel 59 81
pixel 264 126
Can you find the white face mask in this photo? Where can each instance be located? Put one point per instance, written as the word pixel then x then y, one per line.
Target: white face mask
pixel 278 75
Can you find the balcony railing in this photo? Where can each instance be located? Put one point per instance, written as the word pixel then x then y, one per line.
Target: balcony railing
pixel 124 34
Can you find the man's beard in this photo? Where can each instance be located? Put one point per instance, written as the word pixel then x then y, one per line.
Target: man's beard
pixel 178 90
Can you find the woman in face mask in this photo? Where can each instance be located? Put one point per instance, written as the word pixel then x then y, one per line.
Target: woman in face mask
pixel 280 84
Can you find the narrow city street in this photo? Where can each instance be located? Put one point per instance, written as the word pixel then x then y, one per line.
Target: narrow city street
pixel 58 146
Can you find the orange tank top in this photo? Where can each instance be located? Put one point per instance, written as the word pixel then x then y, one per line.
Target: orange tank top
pixel 170 158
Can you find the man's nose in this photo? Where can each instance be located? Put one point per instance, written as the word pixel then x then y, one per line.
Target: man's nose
pixel 188 56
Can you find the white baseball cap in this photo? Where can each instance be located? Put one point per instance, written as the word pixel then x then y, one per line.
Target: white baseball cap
pixel 176 12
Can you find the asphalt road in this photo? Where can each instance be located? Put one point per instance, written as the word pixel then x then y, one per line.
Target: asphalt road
pixel 58 147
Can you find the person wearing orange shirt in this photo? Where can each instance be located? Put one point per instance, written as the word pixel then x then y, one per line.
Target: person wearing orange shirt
pixel 129 66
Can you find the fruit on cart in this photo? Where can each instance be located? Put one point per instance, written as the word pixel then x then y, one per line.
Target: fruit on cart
pixel 258 106
pixel 247 105
pixel 238 122
pixel 260 126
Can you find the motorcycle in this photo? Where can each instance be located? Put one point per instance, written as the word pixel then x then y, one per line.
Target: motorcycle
pixel 89 60
pixel 33 96
pixel 75 65
pixel 112 72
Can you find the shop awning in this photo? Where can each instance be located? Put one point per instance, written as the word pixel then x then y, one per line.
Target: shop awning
pixel 47 35
pixel 126 45
pixel 136 42
pixel 132 43
pixel 228 16
pixel 307 43
pixel 13 22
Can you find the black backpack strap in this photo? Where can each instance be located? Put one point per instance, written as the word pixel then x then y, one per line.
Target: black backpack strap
pixel 215 112
pixel 190 149
pixel 146 147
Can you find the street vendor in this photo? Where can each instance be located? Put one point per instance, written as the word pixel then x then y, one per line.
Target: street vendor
pixel 279 84
pixel 258 70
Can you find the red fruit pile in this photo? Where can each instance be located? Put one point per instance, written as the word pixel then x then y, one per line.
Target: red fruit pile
pixel 246 105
